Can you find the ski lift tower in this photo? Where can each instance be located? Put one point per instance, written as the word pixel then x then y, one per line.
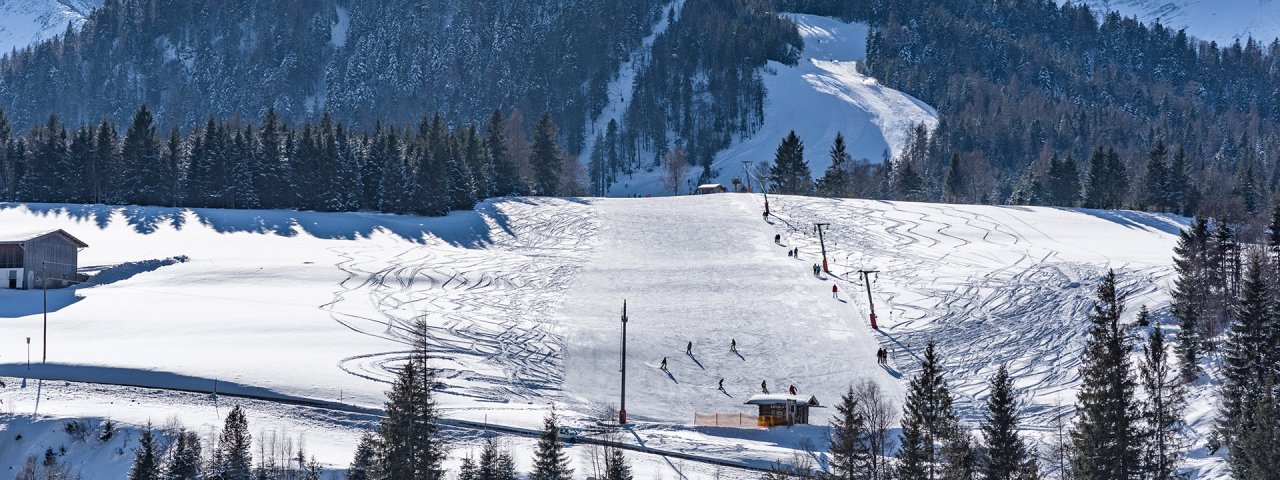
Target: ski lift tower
pixel 622 412
pixel 866 278
pixel 823 243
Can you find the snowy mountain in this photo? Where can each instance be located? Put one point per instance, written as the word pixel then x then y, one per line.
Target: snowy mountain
pixel 23 22
pixel 523 297
pixel 824 94
pixel 1220 21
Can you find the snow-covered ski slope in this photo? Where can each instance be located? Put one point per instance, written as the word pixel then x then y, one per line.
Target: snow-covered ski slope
pixel 523 297
pixel 1220 21
pixel 822 95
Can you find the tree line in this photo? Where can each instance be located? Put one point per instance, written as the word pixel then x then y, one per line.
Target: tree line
pixel 427 169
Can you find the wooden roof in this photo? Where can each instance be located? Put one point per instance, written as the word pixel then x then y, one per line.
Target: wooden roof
pixel 9 238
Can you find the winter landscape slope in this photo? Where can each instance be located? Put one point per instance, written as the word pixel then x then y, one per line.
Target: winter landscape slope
pixel 1223 21
pixel 821 96
pixel 523 297
pixel 24 22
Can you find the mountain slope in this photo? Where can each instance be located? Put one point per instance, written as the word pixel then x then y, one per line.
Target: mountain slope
pixel 24 22
pixel 1222 22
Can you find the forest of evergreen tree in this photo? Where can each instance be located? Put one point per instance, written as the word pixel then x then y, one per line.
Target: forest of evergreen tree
pixel 427 169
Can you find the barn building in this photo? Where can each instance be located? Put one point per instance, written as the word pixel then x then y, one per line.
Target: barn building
pixel 39 259
pixel 777 410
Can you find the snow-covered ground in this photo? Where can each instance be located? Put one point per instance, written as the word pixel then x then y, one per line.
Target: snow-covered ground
pixel 524 296
pixel 24 22
pixel 1221 21
pixel 824 94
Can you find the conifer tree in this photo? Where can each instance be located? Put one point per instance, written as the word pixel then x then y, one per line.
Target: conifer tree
pixel 835 181
pixel 1107 180
pixel 146 175
pixel 146 458
pixel 1250 354
pixel 1256 450
pixel 931 436
pixel 106 150
pixel 184 459
pixel 396 191
pixel 1007 454
pixel 494 463
pixel 1062 182
pixel 616 466
pixel 1162 416
pixel 550 462
pixel 1106 437
pixel 233 459
pixel 955 187
pixel 1156 188
pixel 413 448
pixel 1181 193
pixel 546 158
pixel 506 172
pixel 365 464
pixel 790 171
pixel 907 184
pixel 462 188
pixel 848 449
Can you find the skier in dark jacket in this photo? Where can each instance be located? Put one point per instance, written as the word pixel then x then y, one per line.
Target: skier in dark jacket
pixel 664 364
pixel 722 384
pixel 764 387
pixel 733 345
pixel 688 350
pixel 777 238
pixel 792 390
pixel 835 291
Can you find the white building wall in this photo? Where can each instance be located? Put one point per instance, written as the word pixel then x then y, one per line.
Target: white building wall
pixel 18 273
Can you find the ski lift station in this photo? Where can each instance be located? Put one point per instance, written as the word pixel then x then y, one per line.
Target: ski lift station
pixel 777 410
pixel 40 259
pixel 710 188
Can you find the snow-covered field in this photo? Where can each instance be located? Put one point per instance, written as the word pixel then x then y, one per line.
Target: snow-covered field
pixel 524 296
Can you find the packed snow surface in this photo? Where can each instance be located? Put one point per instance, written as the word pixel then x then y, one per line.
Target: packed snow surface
pixel 523 298
pixel 24 22
pixel 1220 21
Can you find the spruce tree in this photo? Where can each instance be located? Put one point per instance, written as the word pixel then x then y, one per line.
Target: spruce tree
pixel 365 464
pixel 506 173
pixel 184 459
pixel 1250 352
pixel 234 458
pixel 616 466
pixel 835 181
pixel 1106 437
pixel 907 184
pixel 1062 182
pixel 1189 300
pixel 546 158
pixel 955 187
pixel 933 444
pixel 146 176
pixel 273 180
pixel 1162 416
pixel 395 194
pixel 550 462
pixel 1181 192
pixel 462 187
pixel 1007 454
pixel 413 448
pixel 790 171
pixel 1256 450
pixel 146 458
pixel 850 456
pixel 1107 180
pixel 1156 187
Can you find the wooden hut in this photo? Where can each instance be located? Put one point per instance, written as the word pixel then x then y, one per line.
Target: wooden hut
pixel 710 188
pixel 39 259
pixel 783 410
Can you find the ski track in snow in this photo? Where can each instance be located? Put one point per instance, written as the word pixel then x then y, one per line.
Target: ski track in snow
pixel 483 308
pixel 1005 299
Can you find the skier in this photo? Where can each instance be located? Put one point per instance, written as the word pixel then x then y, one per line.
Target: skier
pixel 663 367
pixel 881 356
pixel 777 238
pixel 790 253
pixel 792 390
pixel 721 388
pixel 688 350
pixel 764 387
pixel 766 215
pixel 733 345
pixel 796 252
pixel 835 291
pixel 816 269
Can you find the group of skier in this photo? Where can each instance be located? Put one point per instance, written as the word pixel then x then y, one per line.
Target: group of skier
pixel 733 347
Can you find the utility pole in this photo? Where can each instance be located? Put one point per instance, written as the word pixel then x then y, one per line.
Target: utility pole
pixel 44 284
pixel 746 173
pixel 821 241
pixel 866 278
pixel 622 412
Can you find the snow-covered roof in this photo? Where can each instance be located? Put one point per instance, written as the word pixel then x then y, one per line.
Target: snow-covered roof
pixel 780 398
pixel 25 236
pixel 711 185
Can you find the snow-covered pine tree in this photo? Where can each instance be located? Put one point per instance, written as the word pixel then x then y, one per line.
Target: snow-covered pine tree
pixel 184 457
pixel 80 155
pixel 107 151
pixel 1162 415
pixel 931 435
pixel 1007 454
pixel 462 188
pixel 546 159
pixel 413 448
pixel 615 465
pixel 146 175
pixel 1106 439
pixel 233 459
pixel 478 162
pixel 835 181
pixel 1189 299
pixel 550 462
pixel 506 172
pixel 848 449
pixel 146 457
pixel 955 186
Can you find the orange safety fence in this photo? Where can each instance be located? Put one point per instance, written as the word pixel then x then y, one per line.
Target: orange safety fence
pixel 738 420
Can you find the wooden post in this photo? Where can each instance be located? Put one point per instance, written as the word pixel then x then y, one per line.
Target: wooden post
pixel 622 412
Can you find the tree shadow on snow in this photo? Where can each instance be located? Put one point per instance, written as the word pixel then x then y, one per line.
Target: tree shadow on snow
pixel 466 229
pixel 1166 223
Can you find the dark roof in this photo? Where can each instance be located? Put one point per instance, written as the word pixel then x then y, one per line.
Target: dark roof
pixel 7 238
pixel 780 399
